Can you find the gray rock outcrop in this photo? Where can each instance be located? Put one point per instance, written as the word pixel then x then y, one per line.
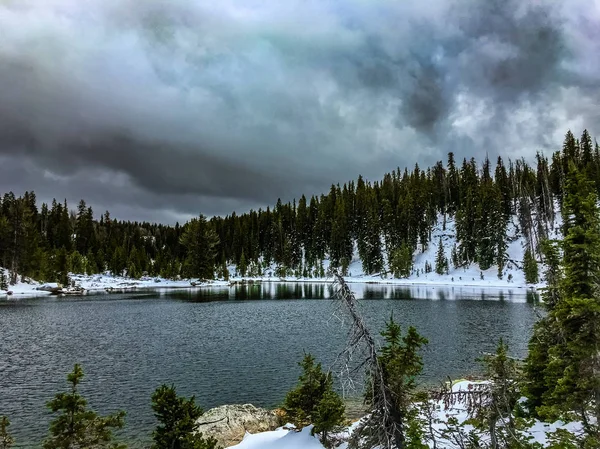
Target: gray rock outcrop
pixel 229 423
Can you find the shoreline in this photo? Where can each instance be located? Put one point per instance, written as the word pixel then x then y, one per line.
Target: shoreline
pixel 106 284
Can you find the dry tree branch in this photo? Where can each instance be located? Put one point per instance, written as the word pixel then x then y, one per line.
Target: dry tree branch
pixel 384 426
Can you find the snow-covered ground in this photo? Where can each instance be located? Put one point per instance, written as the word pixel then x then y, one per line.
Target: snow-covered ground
pixel 103 282
pixel 283 438
pixel 512 276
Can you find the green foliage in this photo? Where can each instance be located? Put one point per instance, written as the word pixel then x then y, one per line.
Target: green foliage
pixel 177 418
pixel 76 426
pixel 200 241
pixel 224 272
pixel 563 439
pixel 441 262
pixel 401 363
pixel 3 280
pixel 6 441
pixel 503 373
pixel 564 359
pixel 328 415
pixel 401 261
pixel 314 400
pixel 242 265
pixel 61 267
pixel 530 268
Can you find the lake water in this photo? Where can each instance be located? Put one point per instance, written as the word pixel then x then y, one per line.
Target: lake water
pixel 225 345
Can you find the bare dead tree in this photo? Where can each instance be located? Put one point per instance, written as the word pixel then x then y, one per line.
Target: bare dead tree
pixel 383 427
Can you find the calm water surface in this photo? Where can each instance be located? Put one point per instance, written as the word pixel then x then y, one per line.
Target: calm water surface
pixel 224 345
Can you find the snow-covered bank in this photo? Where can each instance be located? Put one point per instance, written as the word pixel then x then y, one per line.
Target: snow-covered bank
pixel 431 288
pixel 102 283
pixel 283 438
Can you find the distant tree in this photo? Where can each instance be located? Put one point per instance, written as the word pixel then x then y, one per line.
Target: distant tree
pixel 441 262
pixel 224 271
pixel 61 267
pixel 118 261
pixel 530 268
pixel 76 262
pixel 6 441
pixel 3 280
pixel 200 242
pixel 177 418
pixel 78 427
pixel 242 266
pixel 401 262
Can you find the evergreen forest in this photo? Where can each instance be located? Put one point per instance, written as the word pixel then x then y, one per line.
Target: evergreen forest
pixel 385 222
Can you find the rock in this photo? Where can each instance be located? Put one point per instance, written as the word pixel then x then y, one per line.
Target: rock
pixel 229 423
pixel 51 287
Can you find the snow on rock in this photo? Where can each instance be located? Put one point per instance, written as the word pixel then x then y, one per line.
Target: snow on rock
pixel 229 423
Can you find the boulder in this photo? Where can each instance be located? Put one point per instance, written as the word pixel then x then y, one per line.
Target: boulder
pixel 229 423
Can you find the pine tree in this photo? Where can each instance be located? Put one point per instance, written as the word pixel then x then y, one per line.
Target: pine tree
pixel 61 267
pixel 78 427
pixel 6 441
pixel 3 280
pixel 301 403
pixel 401 363
pixel 328 415
pixel 503 373
pixel 401 262
pixel 441 262
pixel 564 361
pixel 242 266
pixel 177 418
pixel 200 241
pixel 224 272
pixel 530 268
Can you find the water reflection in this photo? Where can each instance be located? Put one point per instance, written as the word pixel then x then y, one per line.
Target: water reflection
pixel 366 291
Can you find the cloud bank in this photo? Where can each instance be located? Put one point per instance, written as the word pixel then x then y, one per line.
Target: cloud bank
pixel 161 109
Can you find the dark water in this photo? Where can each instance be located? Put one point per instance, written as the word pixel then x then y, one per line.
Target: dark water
pixel 224 345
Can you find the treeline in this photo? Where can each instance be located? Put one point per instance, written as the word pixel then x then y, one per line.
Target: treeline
pixel 386 221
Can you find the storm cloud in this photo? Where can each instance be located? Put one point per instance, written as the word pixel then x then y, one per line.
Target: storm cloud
pixel 161 109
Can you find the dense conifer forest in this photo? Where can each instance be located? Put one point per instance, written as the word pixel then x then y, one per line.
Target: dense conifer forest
pixel 386 221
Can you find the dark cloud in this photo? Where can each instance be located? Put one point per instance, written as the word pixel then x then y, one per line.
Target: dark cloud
pixel 163 109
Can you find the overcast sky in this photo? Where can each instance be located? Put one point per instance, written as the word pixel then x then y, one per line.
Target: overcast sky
pixel 162 109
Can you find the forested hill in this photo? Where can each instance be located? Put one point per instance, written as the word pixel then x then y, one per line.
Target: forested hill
pixel 387 223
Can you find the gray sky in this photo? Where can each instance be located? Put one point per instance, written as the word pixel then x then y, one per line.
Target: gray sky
pixel 161 109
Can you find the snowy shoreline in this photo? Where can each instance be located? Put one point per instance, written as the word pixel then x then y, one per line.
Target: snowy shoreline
pixel 106 283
